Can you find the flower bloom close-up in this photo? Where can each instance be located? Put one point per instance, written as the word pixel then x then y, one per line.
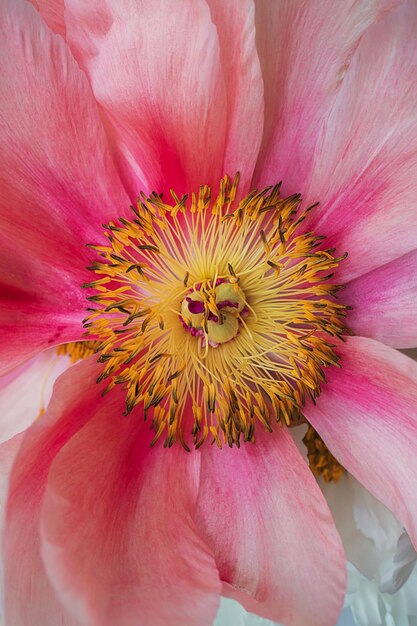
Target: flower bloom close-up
pixel 208 206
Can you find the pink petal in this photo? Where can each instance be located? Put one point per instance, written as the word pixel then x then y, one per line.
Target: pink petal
pixel 366 157
pixel 41 304
pixel 29 598
pixel 52 12
pixel 8 452
pixel 367 416
pixel 154 567
pixel 118 540
pixel 25 392
pixel 57 185
pixel 269 526
pixel 235 24
pixel 304 48
pixel 154 67
pixel 384 303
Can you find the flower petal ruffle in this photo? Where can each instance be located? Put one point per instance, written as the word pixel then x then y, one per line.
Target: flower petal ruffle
pixel 275 543
pixel 367 416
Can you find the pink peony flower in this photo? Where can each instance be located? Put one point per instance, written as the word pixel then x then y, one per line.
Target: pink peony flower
pixel 218 315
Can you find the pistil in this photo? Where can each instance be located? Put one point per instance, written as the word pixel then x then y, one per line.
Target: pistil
pixel 214 312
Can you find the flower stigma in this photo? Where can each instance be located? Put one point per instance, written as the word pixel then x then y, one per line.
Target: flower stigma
pixel 214 311
pixel 215 314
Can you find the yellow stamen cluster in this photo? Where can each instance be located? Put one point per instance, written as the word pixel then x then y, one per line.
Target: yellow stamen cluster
pixel 321 460
pixel 77 350
pixel 271 356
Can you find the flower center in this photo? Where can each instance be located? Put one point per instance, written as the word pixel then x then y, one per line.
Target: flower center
pixel 214 311
pixel 215 314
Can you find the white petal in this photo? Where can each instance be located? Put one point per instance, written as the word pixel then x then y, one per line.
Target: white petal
pixel 374 520
pixel 403 565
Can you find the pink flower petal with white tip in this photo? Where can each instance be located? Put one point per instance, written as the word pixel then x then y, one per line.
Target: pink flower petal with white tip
pixel 274 540
pixel 367 416
pixel 57 185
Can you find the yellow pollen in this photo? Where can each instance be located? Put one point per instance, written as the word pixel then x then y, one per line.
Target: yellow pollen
pixel 77 350
pixel 215 315
pixel 321 460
